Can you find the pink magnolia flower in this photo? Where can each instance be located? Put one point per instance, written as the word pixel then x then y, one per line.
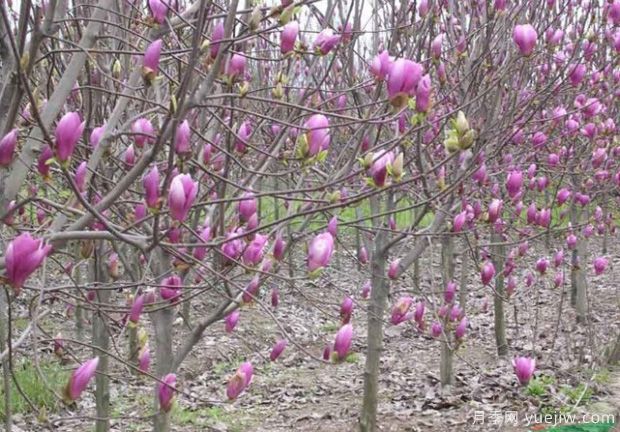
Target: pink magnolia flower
pixel 600 264
pixel 23 256
pixel 380 65
pixel 563 196
pixel 332 226
pixel 159 9
pixel 68 132
pixel 381 163
pixel 450 292
pixel 436 329
pixel 320 250
pixel 366 288
pixel 393 271
pixel 150 64
pixel 400 311
pixel 576 74
pixel 423 94
pixel 143 132
pixel 278 349
pixel 144 359
pixel 326 41
pixel 231 320
pixel 80 176
pixel 96 135
pixel 495 210
pixel 541 265
pixel 342 343
pixel 170 289
pixel 362 255
pixel 524 369
pixel 200 252
pixel 487 273
pixel 151 188
pixel 346 309
pixel 279 248
pixel 459 221
pixel 403 81
pixel 136 309
pixel 247 207
pixel 165 392
pixel 525 37
pixel 255 251
pixel 514 182
pixel 80 378
pixel 243 136
pixel 7 147
pixel 461 329
pixel 42 166
pixel 317 135
pixel 183 191
pixel 240 381
pixel 216 37
pixel 181 141
pixel 236 66
pixel 231 249
pixel 288 36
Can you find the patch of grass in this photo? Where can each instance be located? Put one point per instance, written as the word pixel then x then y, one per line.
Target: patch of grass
pixel 330 327
pixel 205 417
pixel 352 358
pixel 577 394
pixel 602 377
pixel 34 387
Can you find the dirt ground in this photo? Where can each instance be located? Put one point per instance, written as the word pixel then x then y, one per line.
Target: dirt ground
pixel 301 393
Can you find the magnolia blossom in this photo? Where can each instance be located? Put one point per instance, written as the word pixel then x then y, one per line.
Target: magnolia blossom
pixel 326 41
pixel 524 369
pixel 320 250
pixel 525 37
pixel 288 36
pixel 150 65
pixel 278 349
pixel 240 381
pixel 22 257
pixel 7 147
pixel 68 132
pixel 403 80
pixel 317 137
pixel 165 392
pixel 183 191
pixel 342 343
pixel 80 378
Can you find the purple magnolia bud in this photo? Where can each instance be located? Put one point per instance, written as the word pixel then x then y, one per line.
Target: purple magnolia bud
pixel 381 162
pixel 600 264
pixel 320 250
pixel 150 63
pixel 151 188
pixel 514 182
pixel 96 135
pixel 563 196
pixel 346 310
pixel 380 65
pixel 317 135
pixel 495 210
pixel 247 207
pixel 231 320
pixel 393 269
pixel 558 258
pixel 181 141
pixel 80 378
pixel 558 279
pixel 418 314
pixel 541 265
pixel 366 288
pixel 436 329
pixel 236 66
pixel 577 73
pixel 68 132
pixel 571 241
pixel 23 256
pixel 459 221
pixel 588 230
pixel 461 329
pixel 251 290
pixel 403 81
pixel 253 253
pixel 275 297
pixel 362 255
pixel 183 191
pixel 525 37
pixel 200 252
pixel 511 285
pixel 42 165
pixel 129 157
pixel 543 218
pixel 288 37
pixel 332 226
pixel 159 9
pixel 216 37
pixel 277 350
pixel 278 248
pixel 243 137
pixel 487 273
pixel 7 148
pixel 423 8
pixel 524 369
pixel 144 359
pixel 165 392
pixel 136 309
pixel 343 340
pixel 143 131
pixel 423 94
pixel 449 292
pixel 80 176
pixel 436 46
pixel 326 41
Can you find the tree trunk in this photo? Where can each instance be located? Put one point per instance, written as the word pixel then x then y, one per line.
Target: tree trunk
pixel 4 344
pixel 447 273
pixel 498 252
pixel 101 344
pixel 581 283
